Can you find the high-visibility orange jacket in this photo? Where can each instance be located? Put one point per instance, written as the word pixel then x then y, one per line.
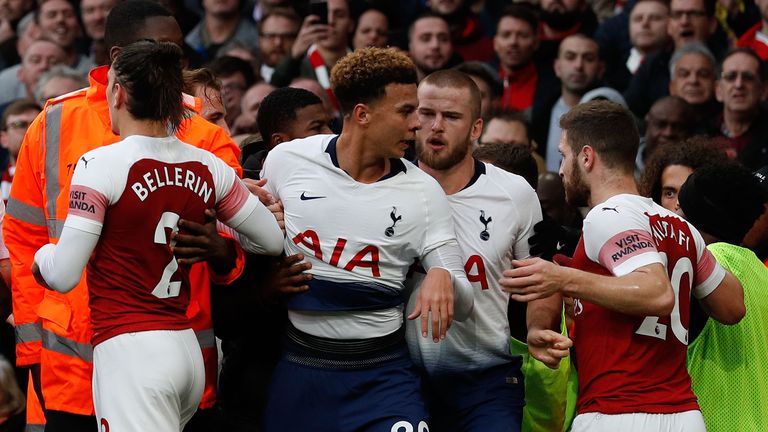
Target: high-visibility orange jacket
pixel 35 415
pixel 54 329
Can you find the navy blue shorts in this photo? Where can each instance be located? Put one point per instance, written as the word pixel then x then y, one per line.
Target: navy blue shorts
pixel 483 400
pixel 311 391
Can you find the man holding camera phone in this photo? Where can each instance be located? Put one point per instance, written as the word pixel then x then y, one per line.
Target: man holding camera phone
pixel 322 40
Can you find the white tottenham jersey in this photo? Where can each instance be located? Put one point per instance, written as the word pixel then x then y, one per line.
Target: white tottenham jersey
pixel 494 217
pixel 360 238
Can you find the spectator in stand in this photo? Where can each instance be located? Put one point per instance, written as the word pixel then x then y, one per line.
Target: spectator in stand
pixel 94 16
pixel 689 21
pixel 757 36
pixel 516 43
pixel 27 32
pixel 317 48
pixel 263 7
pixel 744 121
pixel 18 82
pixel 647 33
pixel 560 19
pixel 430 46
pixel 372 30
pixel 692 70
pixel 58 21
pixel 57 81
pixel 249 108
pixel 15 121
pixel 236 76
pixel 670 120
pixel 468 37
pixel 487 81
pixel 242 51
pixel 580 69
pixel 223 21
pixel 315 88
pixel 510 128
pixel 277 33
pixel 11 14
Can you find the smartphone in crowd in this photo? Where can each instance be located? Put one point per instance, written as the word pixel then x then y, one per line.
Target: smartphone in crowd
pixel 319 8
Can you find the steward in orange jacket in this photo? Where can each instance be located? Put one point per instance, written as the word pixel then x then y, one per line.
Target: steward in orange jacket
pixel 54 329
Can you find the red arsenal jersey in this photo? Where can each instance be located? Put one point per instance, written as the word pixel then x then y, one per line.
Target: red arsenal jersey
pixel 134 192
pixel 636 364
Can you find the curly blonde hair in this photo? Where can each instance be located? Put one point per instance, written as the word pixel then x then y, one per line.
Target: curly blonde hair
pixel 362 76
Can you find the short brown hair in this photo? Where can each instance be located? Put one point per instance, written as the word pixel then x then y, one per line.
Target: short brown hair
pixel 508 115
pixel 362 76
pixel 511 158
pixel 18 107
pixel 204 77
pixel 608 128
pixel 451 78
pixel 285 12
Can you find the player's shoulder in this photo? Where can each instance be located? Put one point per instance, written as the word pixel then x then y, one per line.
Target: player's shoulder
pixel 622 207
pixel 105 161
pixel 300 151
pixel 308 147
pixel 414 175
pixel 513 185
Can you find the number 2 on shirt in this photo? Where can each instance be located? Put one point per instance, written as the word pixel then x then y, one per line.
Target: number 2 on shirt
pixel 165 288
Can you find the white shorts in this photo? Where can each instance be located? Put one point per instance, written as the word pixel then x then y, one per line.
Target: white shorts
pixel 147 381
pixel 687 421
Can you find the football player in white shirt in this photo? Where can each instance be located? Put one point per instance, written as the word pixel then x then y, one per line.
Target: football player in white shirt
pixel 473 383
pixel 361 216
pixel 633 274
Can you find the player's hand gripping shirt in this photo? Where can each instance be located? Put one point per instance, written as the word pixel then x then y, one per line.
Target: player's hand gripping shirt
pixel 494 217
pixel 634 364
pixel 360 238
pixel 129 197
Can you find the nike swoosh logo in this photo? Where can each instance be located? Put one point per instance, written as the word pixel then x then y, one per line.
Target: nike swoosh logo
pixel 304 197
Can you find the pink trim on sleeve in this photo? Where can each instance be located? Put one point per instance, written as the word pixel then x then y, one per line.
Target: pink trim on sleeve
pixel 87 203
pixel 625 245
pixel 233 201
pixel 704 267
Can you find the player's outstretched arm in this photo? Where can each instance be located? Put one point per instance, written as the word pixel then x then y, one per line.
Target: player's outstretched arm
pixel 445 291
pixel 59 267
pixel 643 292
pixel 448 257
pixel 726 303
pixel 259 231
pixel 435 301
